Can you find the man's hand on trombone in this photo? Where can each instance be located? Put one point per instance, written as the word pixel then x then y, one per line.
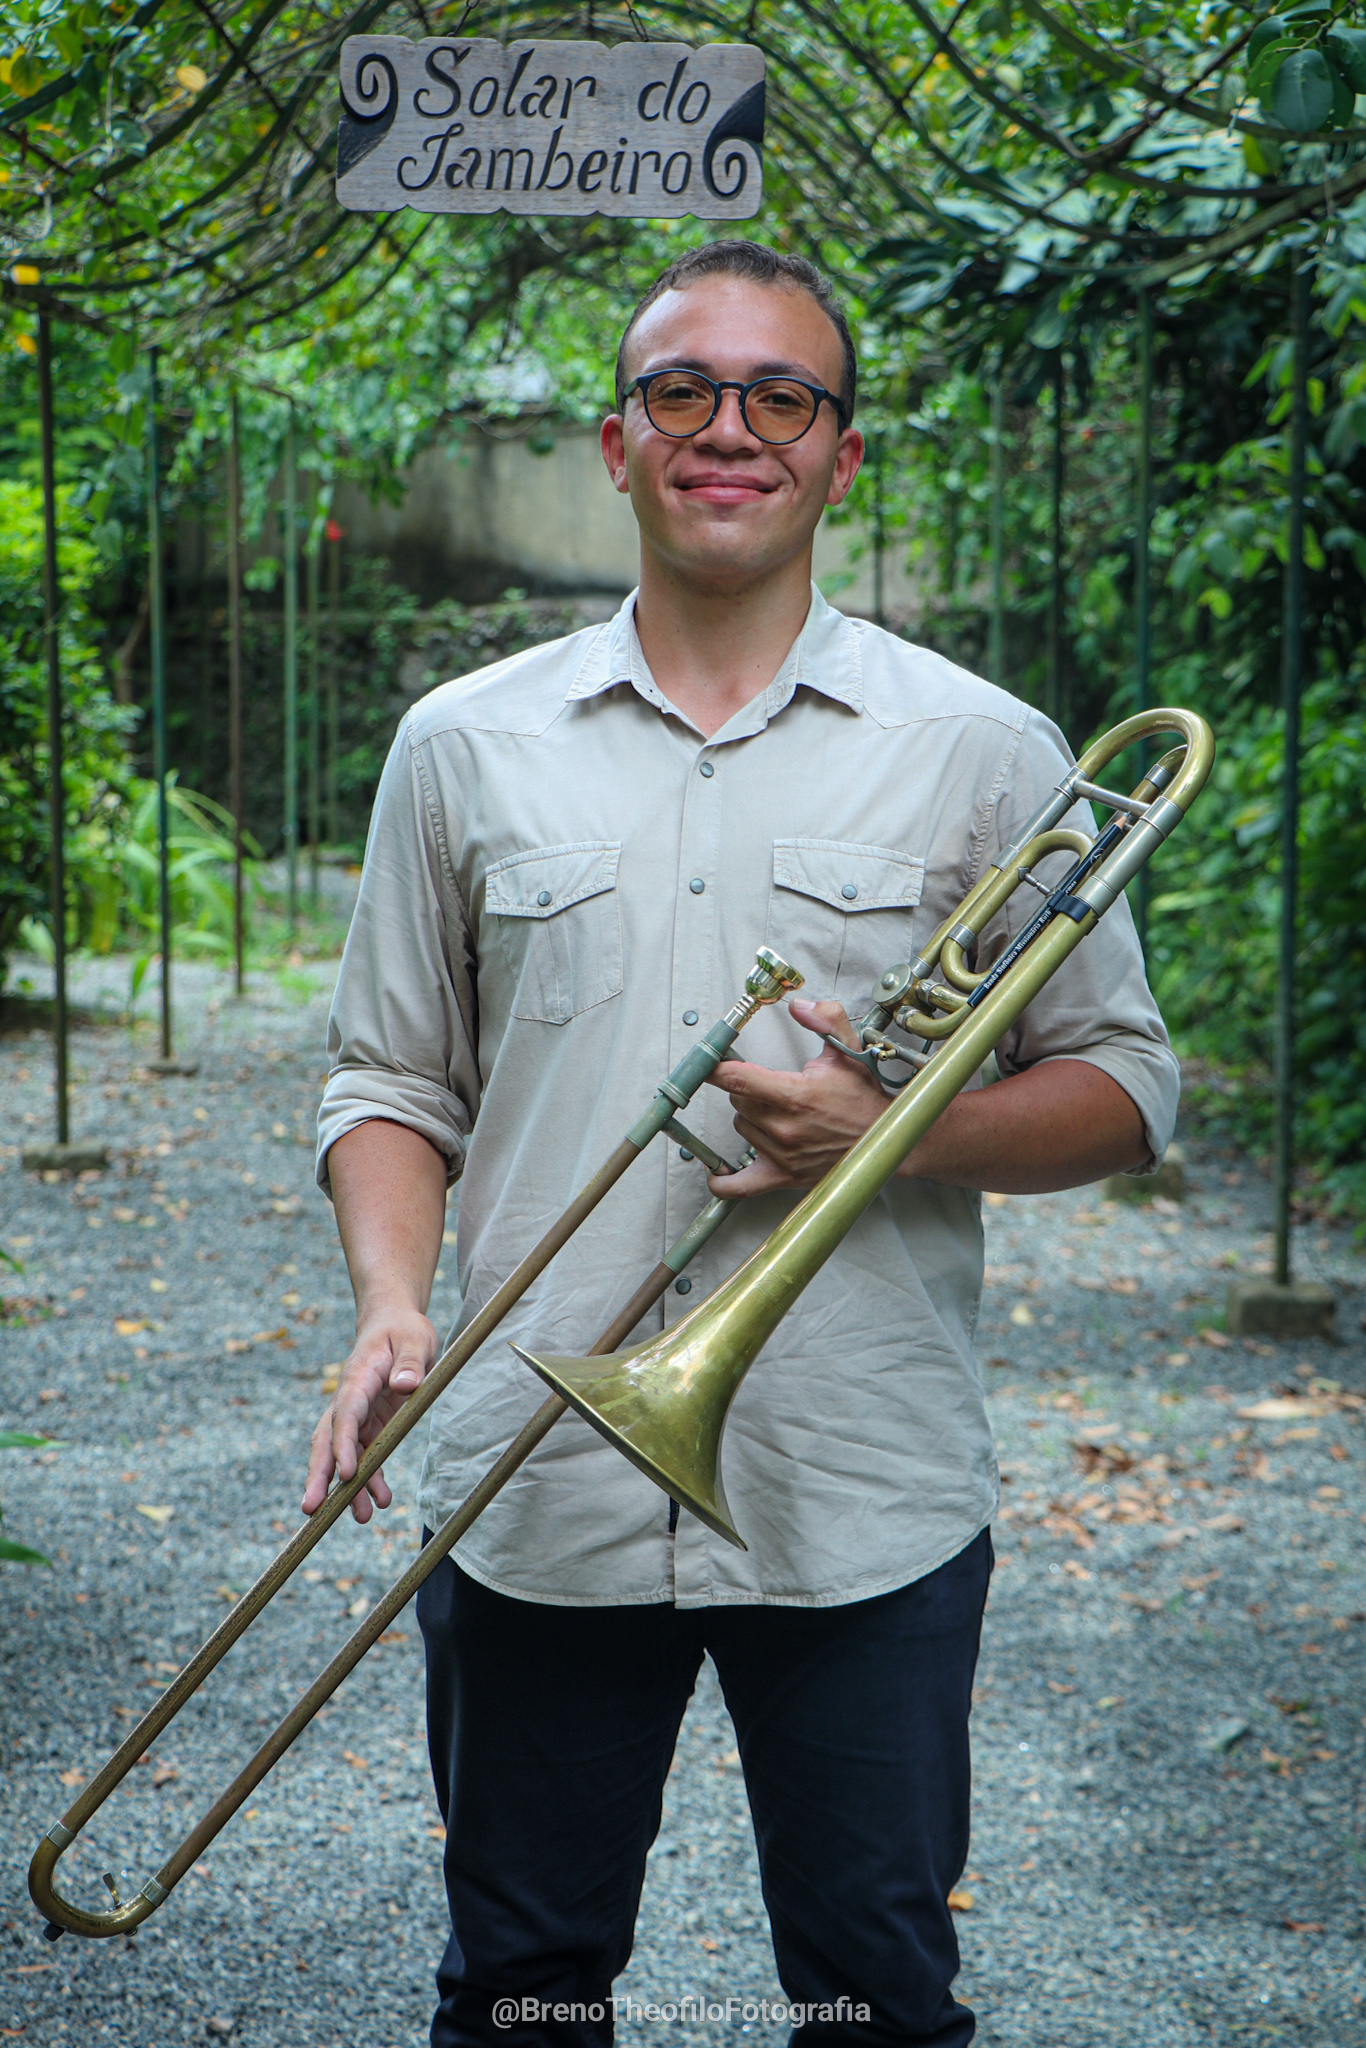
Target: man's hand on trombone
pixel 389 1190
pixel 1060 1124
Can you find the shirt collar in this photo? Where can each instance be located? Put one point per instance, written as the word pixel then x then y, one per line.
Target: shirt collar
pixel 824 657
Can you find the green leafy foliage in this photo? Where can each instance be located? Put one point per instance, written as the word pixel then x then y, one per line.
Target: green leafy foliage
pixel 96 767
pixel 1214 920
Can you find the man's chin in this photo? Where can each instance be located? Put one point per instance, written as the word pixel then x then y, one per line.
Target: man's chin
pixel 732 554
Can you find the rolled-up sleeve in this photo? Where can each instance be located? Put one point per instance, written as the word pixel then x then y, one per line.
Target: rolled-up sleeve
pixel 1098 1006
pixel 402 1035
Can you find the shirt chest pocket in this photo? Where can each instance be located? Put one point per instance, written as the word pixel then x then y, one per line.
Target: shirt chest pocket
pixel 842 912
pixel 559 927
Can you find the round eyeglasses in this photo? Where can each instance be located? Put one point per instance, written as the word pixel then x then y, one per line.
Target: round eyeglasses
pixel 778 410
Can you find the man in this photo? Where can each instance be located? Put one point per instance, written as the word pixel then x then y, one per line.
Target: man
pixel 574 854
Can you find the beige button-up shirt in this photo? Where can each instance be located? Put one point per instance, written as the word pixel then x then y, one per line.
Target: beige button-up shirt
pixel 564 887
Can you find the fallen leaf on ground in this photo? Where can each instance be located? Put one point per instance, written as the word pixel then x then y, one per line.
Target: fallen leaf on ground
pixel 157 1515
pixel 1302 1926
pixel 1217 1338
pixel 165 1774
pixel 128 1326
pixel 357 1763
pixel 72 1777
pixel 1093 1456
pixel 437 1833
pixel 1022 1314
pixel 393 1635
pixel 1285 1407
pixel 961 1901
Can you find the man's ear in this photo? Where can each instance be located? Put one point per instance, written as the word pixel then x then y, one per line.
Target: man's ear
pixel 614 451
pixel 848 463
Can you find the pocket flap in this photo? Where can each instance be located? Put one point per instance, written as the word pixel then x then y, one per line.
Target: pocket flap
pixel 849 877
pixel 551 878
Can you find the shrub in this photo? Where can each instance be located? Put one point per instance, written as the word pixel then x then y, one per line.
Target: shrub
pixel 97 775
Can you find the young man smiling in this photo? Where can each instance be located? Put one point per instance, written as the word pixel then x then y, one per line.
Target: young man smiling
pixel 573 856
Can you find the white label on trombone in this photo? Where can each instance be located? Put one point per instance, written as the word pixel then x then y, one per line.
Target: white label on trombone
pixel 462 124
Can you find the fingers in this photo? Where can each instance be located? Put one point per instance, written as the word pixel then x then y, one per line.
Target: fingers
pixel 762 1178
pixel 386 1365
pixel 321 1465
pixel 825 1016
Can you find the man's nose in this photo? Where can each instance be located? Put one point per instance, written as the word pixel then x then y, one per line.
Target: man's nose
pixel 728 429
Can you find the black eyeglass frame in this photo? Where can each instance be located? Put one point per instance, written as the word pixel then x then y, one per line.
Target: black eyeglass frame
pixel 721 385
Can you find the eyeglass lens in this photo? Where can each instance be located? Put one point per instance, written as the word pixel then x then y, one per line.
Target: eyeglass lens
pixel 777 409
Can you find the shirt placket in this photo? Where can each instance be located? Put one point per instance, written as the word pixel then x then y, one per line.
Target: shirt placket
pixel 695 997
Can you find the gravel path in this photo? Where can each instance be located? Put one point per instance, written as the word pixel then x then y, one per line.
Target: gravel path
pixel 1169 1736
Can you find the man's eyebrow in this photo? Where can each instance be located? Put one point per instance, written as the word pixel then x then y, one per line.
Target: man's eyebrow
pixel 769 369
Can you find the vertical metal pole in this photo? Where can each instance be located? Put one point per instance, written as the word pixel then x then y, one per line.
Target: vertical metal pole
pixel 1053 700
pixel 291 677
pixel 157 610
pixel 879 529
pixel 996 659
pixel 235 681
pixel 207 755
pixel 314 722
pixel 1143 520
pixel 333 687
pixel 1292 659
pixel 56 779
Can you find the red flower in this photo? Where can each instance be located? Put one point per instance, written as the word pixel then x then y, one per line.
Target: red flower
pixel 333 531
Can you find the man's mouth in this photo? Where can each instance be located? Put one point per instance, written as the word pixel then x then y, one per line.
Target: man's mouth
pixel 724 489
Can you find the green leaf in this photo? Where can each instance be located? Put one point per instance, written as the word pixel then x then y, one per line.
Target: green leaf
pixel 16 1553
pixel 1263 72
pixel 1219 601
pixel 1344 96
pixel 1348 47
pixel 1302 97
pixel 1261 155
pixel 16 1440
pixel 1265 33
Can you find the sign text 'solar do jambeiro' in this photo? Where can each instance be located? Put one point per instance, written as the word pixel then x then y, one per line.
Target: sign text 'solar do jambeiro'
pixel 469 125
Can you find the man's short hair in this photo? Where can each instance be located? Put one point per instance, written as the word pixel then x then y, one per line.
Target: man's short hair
pixel 756 264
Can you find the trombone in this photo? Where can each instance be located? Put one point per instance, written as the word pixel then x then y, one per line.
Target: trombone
pixel 664 1403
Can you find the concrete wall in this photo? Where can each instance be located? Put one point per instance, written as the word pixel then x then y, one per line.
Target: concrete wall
pixel 491 512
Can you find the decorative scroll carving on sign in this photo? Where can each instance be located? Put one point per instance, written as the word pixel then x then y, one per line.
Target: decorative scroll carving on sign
pixel 459 124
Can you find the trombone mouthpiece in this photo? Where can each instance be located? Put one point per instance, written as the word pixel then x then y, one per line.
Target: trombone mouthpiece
pixel 768 981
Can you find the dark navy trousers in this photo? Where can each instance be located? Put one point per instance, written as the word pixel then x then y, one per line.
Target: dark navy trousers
pixel 551 1732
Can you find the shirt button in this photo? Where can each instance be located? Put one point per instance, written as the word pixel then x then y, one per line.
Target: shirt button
pixel 684 1153
pixel 707 769
pixel 848 892
pixel 697 885
pixel 543 898
pixel 683 1286
pixel 690 1016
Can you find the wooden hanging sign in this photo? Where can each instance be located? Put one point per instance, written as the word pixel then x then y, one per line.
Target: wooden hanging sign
pixel 458 124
